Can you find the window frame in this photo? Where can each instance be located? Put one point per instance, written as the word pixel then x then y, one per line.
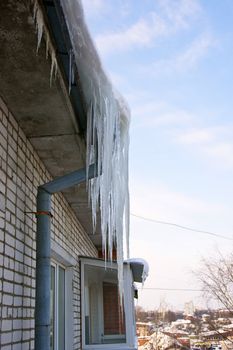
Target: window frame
pixel 59 256
pixel 56 266
pixel 130 327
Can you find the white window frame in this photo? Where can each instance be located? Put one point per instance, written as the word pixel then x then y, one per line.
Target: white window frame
pixel 60 257
pixel 130 329
pixel 56 266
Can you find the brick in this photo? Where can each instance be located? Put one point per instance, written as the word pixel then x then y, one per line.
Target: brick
pixel 19 246
pixel 2 224
pixel 7 299
pixel 3 143
pixel 6 347
pixel 9 251
pixel 11 196
pixel 3 107
pixel 18 301
pixel 20 214
pixel 3 153
pixel 3 121
pixel 8 275
pixel 19 233
pixel 18 290
pixel 17 324
pixel 2 202
pixel 21 174
pixel 8 287
pixel 11 264
pixel 18 256
pixel 10 206
pixel 15 135
pixel 12 165
pixel 26 335
pixel 17 336
pixel 9 239
pixel 12 149
pixel 13 122
pixel 17 346
pixel 20 194
pixel 6 325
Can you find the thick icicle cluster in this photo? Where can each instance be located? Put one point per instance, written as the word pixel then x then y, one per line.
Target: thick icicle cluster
pixel 107 138
pixel 41 29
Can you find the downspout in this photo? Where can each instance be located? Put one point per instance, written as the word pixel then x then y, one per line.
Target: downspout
pixel 43 251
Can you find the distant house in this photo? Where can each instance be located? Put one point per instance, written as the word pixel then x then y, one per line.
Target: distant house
pixel 55 292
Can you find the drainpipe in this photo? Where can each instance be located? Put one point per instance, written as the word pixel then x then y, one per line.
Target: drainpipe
pixel 43 251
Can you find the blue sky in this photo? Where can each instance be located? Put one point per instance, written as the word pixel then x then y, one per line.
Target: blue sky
pixel 173 62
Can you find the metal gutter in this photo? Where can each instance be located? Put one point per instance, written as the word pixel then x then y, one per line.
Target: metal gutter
pixel 43 251
pixel 64 51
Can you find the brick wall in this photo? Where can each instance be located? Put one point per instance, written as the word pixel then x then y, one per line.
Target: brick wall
pixel 21 171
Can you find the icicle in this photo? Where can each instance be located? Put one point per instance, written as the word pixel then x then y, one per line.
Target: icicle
pixel 53 70
pixel 107 139
pixel 38 18
pixel 70 69
pixel 47 46
pixel 40 28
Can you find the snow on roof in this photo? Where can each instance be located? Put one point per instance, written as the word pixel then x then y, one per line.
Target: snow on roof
pixel 228 326
pixel 181 321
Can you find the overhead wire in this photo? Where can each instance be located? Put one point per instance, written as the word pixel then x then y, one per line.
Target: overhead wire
pixel 183 227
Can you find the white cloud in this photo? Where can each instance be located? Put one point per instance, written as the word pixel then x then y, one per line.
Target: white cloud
pixel 145 31
pixel 185 60
pixel 140 34
pixel 197 136
pixel 154 114
pixel 212 142
pixel 221 151
pixel 180 11
pixel 197 50
pixel 159 202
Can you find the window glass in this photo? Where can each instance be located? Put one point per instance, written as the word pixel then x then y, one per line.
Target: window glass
pixel 104 317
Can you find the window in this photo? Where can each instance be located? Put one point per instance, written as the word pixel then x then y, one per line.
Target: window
pixel 105 322
pixel 61 294
pixel 57 311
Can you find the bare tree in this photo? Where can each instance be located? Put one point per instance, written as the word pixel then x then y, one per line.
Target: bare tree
pixel 216 279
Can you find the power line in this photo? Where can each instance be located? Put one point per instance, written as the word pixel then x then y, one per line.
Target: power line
pixel 182 227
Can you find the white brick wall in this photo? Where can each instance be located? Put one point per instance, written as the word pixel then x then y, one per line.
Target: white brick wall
pixel 21 171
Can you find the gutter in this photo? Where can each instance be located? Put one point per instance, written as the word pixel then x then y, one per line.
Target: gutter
pixel 64 53
pixel 43 251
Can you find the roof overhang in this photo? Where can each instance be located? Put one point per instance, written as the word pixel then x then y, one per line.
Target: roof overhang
pixel 53 120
